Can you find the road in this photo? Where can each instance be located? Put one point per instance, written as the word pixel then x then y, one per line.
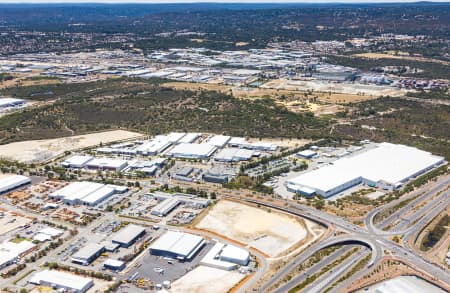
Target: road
pixel 371 236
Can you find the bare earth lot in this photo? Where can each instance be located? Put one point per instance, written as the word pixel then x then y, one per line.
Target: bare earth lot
pixel 204 279
pixel 270 232
pixel 36 151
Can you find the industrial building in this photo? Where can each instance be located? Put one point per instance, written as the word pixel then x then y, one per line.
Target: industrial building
pixel 87 193
pixel 10 252
pixel 184 198
pixel 165 207
pixel 218 140
pixel 128 235
pixel 192 151
pixel 62 280
pixel 226 257
pixel 177 245
pixel 106 164
pixel 235 254
pixel 388 166
pixel 11 182
pixel 306 154
pixel 77 161
pixel 88 254
pixel 234 155
pixel 114 265
pixel 215 177
pixel 241 142
pixel 47 234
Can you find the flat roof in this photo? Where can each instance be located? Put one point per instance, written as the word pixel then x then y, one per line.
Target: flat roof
pixel 391 163
pixel 61 279
pixel 234 252
pixel 218 140
pixel 86 192
pixel 12 181
pixel 193 150
pixel 88 251
pixel 178 243
pixel 128 234
pixel 77 160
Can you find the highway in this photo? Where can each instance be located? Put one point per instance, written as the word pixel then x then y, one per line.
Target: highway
pixel 314 269
pixel 370 236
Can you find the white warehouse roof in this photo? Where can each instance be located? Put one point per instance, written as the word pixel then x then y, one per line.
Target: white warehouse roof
pixel 84 192
pixel 178 243
pixel 77 161
pixel 219 140
pixel 192 150
pixel 13 181
pixel 62 280
pixel 388 163
pixel 128 234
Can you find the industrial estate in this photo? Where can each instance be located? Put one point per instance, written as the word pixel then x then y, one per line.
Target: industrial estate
pixel 188 162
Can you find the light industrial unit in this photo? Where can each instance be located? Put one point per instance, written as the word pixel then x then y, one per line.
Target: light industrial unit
pixel 128 235
pixel 88 254
pixel 387 166
pixel 177 245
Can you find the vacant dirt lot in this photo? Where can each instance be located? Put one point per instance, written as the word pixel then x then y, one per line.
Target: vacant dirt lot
pixel 204 279
pixel 268 231
pixel 36 151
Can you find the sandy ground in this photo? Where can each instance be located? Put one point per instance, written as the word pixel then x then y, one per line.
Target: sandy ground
pixel 359 91
pixel 36 151
pixel 270 232
pixel 204 279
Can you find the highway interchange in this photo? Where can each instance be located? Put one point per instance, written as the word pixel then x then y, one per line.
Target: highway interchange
pixel 433 200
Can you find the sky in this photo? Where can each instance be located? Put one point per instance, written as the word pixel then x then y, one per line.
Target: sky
pixel 217 1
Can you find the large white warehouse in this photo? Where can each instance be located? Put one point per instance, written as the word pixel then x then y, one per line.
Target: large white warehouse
pixel 179 245
pixel 387 166
pixel 87 193
pixel 12 182
pixel 192 151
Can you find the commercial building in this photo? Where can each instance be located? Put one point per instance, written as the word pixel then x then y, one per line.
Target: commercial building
pixel 128 235
pixel 88 254
pixel 192 151
pixel 62 280
pixel 387 166
pixel 177 245
pixel 87 193
pixel 12 182
pixel 77 161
